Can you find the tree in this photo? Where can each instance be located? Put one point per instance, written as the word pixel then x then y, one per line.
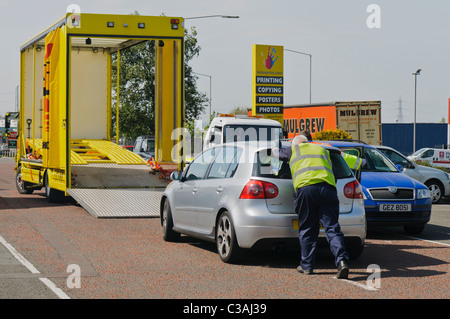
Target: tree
pixel 240 110
pixel 137 87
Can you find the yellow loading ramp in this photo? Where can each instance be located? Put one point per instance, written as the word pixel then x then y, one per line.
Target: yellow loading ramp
pixel 111 182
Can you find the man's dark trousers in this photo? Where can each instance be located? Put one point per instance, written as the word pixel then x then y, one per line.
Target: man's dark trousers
pixel 314 203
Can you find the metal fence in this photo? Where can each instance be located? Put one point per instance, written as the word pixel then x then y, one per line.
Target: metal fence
pixel 8 153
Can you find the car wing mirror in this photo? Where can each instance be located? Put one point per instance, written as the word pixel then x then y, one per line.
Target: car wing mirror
pixel 176 175
pixel 399 167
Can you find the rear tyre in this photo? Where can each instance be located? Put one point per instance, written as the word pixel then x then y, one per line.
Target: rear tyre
pixel 226 241
pixel 22 186
pixel 167 224
pixel 53 195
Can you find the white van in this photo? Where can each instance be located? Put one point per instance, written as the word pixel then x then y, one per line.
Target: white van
pixel 235 128
pixel 434 156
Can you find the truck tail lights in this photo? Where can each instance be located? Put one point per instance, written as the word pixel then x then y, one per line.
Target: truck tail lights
pixel 175 23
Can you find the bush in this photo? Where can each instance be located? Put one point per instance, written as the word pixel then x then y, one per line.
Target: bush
pixel 425 163
pixel 329 135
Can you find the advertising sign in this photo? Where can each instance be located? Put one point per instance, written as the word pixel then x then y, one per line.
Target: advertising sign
pixel 268 82
pixel 312 119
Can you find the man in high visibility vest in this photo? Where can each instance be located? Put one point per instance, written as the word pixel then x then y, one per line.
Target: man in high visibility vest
pixel 315 202
pixel 354 162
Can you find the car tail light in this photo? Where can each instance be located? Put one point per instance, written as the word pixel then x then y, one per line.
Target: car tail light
pixel 256 189
pixel 353 190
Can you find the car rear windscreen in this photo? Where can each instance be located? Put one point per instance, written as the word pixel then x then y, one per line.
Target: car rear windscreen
pixel 268 166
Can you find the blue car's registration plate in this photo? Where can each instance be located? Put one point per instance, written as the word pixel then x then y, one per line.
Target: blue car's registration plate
pixel 395 207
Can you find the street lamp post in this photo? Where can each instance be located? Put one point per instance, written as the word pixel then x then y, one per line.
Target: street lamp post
pixel 210 97
pixel 310 69
pixel 415 100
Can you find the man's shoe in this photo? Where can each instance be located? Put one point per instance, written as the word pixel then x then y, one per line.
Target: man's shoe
pixel 342 270
pixel 304 271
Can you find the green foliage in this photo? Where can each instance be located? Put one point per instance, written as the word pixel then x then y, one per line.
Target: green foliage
pixel 240 110
pixel 137 87
pixel 332 135
pixel 194 100
pixel 136 90
pixel 425 163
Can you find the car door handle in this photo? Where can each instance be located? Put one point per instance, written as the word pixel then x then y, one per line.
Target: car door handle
pixel 195 190
pixel 219 189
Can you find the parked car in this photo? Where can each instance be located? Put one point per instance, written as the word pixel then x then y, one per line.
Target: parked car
pixel 434 156
pixel 437 181
pixel 128 147
pixel 391 198
pixel 240 197
pixel 145 147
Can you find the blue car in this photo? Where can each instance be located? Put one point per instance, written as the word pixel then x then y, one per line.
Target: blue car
pixel 391 198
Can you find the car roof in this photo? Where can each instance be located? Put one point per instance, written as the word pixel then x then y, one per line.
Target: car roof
pixel 345 143
pixel 255 146
pixel 383 146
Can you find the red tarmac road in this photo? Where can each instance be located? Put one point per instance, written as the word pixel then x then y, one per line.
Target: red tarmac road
pixel 127 258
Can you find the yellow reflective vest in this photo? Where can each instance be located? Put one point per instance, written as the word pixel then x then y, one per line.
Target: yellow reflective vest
pixel 310 164
pixel 354 162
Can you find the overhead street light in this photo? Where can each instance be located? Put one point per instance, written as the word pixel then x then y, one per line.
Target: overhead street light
pixel 213 16
pixel 415 100
pixel 210 77
pixel 310 68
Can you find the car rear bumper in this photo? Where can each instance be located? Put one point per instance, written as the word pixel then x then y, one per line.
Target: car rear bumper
pixel 258 226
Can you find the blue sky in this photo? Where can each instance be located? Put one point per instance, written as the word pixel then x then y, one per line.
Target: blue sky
pixel 350 61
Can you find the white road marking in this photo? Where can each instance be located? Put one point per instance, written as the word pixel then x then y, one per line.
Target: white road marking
pixel 431 241
pixel 357 284
pixel 61 294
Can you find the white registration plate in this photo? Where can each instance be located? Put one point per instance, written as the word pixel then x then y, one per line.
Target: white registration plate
pixel 395 207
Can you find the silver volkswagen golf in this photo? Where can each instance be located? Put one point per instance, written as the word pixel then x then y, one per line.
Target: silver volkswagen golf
pixel 240 197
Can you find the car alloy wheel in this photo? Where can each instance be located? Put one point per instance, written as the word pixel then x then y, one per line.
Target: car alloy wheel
pixel 226 241
pixel 435 190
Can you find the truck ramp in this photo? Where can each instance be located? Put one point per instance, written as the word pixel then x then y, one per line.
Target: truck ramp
pixel 119 202
pixel 110 190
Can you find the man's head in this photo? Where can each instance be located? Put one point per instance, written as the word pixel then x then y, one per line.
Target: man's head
pixel 307 135
pixel 299 139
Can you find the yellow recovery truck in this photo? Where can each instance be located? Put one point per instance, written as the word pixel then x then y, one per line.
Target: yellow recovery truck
pixel 65 143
